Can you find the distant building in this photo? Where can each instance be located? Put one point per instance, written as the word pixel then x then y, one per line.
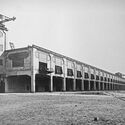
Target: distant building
pixel 35 69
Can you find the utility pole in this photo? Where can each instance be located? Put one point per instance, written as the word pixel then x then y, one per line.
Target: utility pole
pixel 4 19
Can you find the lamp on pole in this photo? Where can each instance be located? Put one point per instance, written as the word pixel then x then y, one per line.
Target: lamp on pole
pixel 4 19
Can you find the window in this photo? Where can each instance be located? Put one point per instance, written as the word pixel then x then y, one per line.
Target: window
pixel 86 75
pixel 92 76
pixel 58 69
pixel 105 79
pixel 97 77
pixel 69 72
pixel 108 79
pixel 18 59
pixel 18 62
pixel 42 67
pixel 101 78
pixel 79 74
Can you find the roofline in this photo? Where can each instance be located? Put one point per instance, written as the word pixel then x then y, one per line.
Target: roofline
pixel 62 56
pixel 18 49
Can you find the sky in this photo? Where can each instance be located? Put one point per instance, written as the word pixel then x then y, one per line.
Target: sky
pixel 91 31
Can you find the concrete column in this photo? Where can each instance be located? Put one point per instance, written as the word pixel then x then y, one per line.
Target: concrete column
pixel 95 85
pixel 32 72
pixel 103 85
pixel 64 84
pixel 74 85
pixel 33 82
pixel 82 85
pixel 51 83
pixel 51 75
pixel 6 84
pixel 89 84
pixel 99 85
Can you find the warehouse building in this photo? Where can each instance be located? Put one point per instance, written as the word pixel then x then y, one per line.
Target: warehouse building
pixel 35 69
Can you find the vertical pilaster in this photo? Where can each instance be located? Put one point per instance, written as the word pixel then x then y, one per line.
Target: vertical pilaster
pixel 51 82
pixel 51 75
pixel 103 85
pixel 32 72
pixel 33 82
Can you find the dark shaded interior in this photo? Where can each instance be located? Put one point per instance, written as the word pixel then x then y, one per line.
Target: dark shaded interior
pixel 97 85
pixel 57 83
pixel 69 84
pixel 78 84
pixel 105 88
pixel 2 86
pixel 21 83
pixel 42 83
pixel 92 85
pixel 101 86
pixel 86 85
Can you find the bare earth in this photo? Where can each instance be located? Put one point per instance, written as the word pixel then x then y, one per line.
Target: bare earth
pixel 62 109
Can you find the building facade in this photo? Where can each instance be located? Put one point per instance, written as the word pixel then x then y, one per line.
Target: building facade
pixel 35 69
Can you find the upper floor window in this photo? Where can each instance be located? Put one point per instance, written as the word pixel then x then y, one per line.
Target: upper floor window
pixel 69 72
pixel 18 62
pixel 105 79
pixel 92 76
pixel 86 75
pixel 18 58
pixel 101 78
pixel 97 77
pixel 79 74
pixel 58 69
pixel 42 67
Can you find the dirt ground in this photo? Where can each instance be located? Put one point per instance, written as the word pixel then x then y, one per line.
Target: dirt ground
pixel 62 109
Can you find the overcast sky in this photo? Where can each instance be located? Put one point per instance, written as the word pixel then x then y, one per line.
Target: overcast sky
pixel 91 31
